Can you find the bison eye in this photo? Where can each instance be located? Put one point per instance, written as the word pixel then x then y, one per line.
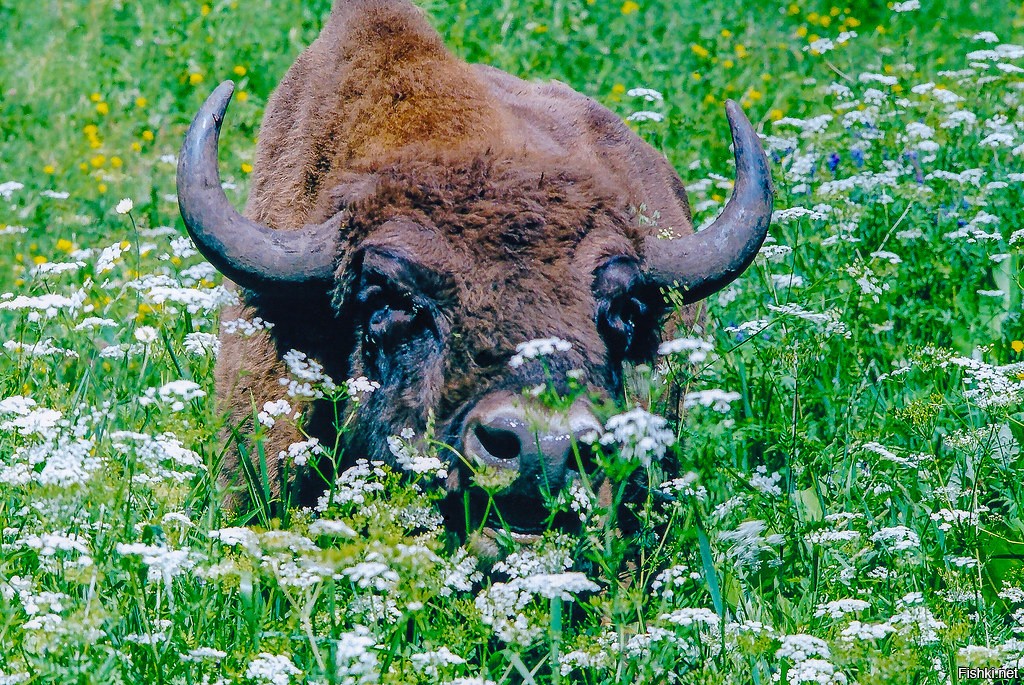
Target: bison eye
pixel 389 317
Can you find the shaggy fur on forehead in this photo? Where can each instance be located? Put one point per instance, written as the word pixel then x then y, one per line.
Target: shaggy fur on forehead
pixel 507 232
pixel 496 204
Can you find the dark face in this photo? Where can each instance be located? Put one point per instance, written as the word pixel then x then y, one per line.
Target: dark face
pixel 446 279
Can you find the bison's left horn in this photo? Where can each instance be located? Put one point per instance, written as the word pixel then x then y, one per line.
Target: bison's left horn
pixel 252 255
pixel 705 262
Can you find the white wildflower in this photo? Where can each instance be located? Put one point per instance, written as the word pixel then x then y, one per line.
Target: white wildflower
pixel 539 347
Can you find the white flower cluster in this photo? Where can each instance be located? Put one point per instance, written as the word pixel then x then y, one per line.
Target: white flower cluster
pixel 640 435
pixel 897 538
pixel 841 607
pixel 245 327
pixel 273 411
pixel 162 457
pixel 299 453
pixel 539 347
pixel 308 378
pixel 271 669
pixel 357 387
pixel 202 344
pixel 411 459
pixel 748 544
pixel 810 660
pixel 44 306
pixel 697 349
pixel 354 484
pixel 163 564
pixel 110 256
pixel 174 394
pixel 716 399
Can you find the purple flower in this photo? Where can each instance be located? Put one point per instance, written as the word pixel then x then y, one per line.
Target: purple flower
pixel 833 162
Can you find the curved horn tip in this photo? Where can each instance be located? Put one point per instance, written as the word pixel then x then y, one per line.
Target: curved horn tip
pixel 217 102
pixel 737 117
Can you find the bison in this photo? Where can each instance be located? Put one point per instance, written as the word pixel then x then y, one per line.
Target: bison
pixel 413 217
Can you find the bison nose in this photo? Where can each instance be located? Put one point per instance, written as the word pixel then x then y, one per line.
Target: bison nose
pixel 506 431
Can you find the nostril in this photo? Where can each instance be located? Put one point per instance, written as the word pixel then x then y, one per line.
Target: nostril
pixel 499 442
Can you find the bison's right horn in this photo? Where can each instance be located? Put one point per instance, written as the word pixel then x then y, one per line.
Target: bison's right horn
pixel 705 262
pixel 252 255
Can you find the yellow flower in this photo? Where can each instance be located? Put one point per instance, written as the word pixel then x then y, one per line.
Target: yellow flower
pixel 195 78
pixel 239 70
pixel 103 108
pixel 812 17
pixel 65 245
pixel 102 188
pixel 766 77
pixel 852 22
pixel 95 97
pixel 205 10
pixel 801 31
pixel 148 136
pixel 741 50
pixel 825 21
pixel 699 50
pixel 136 146
pixel 83 166
pixel 728 64
pixel 718 197
pixel 793 9
pixel 540 28
pixel 618 89
pixel 775 114
pixel 709 99
pixel 141 102
pixel 897 88
pixel 243 96
pixel 49 169
pixel 98 161
pixel 39 259
pixel 880 29
pixel 116 162
pixel 696 76
pixel 629 7
pixel 888 68
pixel 726 33
pixel 246 168
pixel 1017 345
pixel 754 95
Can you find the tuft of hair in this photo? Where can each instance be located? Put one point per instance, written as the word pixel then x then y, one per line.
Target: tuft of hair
pixel 377 80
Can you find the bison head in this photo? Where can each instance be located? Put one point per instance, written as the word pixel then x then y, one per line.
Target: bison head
pixel 413 218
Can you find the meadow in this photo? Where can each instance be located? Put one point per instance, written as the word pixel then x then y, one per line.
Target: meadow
pixel 839 503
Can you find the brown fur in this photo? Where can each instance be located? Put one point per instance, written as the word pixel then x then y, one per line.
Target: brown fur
pixel 511 193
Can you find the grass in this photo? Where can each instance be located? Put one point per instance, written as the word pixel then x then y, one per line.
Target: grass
pixel 848 500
